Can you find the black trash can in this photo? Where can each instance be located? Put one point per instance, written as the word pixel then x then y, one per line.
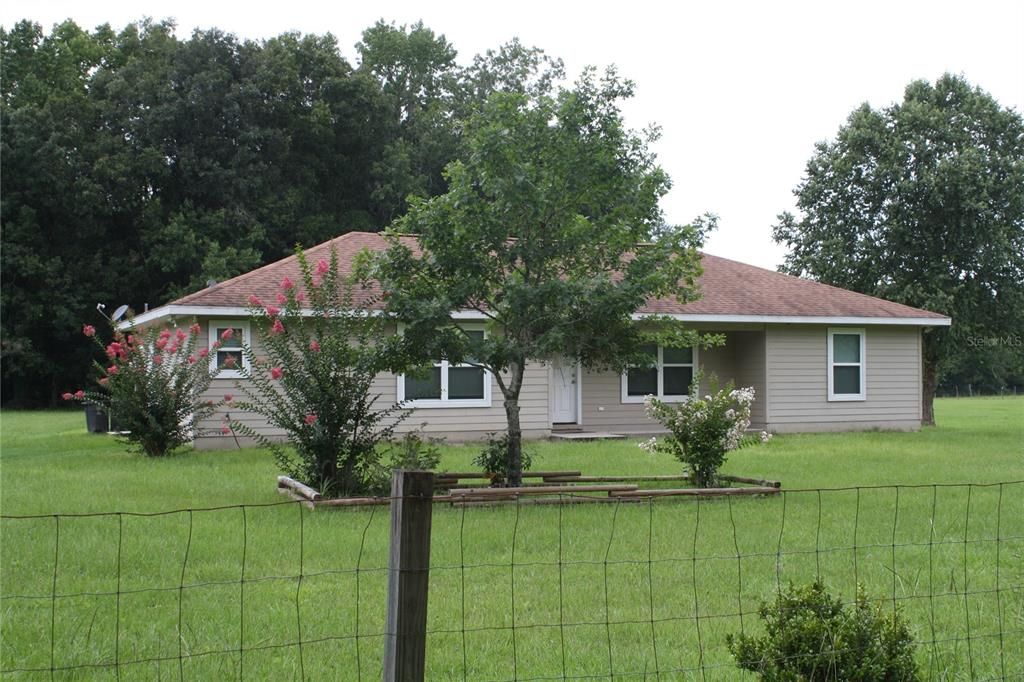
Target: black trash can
pixel 95 419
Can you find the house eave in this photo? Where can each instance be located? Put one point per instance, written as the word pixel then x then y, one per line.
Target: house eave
pixel 174 310
pixel 803 319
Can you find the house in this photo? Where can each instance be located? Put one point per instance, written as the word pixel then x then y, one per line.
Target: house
pixel 820 358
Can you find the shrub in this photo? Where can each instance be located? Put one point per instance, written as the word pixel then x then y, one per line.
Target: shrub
pixel 493 458
pixel 315 381
pixel 152 382
pixel 812 636
pixel 703 430
pixel 416 451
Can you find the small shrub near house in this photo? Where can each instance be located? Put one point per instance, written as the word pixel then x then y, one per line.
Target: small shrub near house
pixel 493 458
pixel 314 378
pixel 811 636
pixel 152 381
pixel 703 429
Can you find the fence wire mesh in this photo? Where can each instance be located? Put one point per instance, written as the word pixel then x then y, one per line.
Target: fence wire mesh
pixel 620 590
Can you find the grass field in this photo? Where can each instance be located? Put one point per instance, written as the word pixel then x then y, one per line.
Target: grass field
pixel 516 593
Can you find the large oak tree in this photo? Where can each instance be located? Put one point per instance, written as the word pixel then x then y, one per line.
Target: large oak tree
pixel 921 203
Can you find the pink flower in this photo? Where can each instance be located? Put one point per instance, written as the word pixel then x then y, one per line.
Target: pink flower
pixel 79 394
pixel 194 329
pixel 322 267
pixel 228 397
pixel 181 335
pixel 89 330
pixel 314 346
pixel 310 419
pixel 158 359
pixel 225 431
pixel 113 349
pixel 254 300
pixel 227 333
pixel 203 352
pixel 131 339
pixel 161 343
pixel 300 297
pixel 281 298
pixel 113 369
pixel 165 333
pixel 173 348
pixel 278 328
pixel 276 373
pixel 104 381
pixel 286 283
pixel 273 311
pixel 66 396
pixel 192 359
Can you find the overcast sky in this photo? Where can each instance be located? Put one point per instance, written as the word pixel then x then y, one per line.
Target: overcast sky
pixel 742 91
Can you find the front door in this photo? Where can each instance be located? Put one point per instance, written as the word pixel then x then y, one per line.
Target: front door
pixel 563 392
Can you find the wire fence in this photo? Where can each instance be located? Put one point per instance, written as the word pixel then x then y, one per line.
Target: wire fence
pixel 621 590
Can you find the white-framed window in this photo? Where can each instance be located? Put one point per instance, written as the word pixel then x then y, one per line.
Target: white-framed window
pixel 228 357
pixel 668 378
pixel 846 364
pixel 448 385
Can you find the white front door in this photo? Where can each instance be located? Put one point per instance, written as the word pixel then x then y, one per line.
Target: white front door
pixel 564 386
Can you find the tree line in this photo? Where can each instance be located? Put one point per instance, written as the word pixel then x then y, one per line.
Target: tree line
pixel 137 166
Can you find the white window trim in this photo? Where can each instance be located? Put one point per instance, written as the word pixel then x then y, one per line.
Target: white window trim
pixel 830 365
pixel 634 399
pixel 212 337
pixel 445 402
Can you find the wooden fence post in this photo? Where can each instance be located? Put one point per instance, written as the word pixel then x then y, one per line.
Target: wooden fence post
pixel 405 641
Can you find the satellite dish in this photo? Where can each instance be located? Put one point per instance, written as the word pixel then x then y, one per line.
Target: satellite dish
pixel 119 313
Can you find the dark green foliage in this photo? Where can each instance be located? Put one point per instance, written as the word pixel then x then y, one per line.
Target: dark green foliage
pixel 922 203
pixel 811 636
pixel 152 383
pixel 493 458
pixel 313 380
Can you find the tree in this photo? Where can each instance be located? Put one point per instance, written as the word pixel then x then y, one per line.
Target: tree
pixel 921 203
pixel 540 234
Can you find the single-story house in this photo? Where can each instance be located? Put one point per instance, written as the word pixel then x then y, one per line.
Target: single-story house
pixel 820 358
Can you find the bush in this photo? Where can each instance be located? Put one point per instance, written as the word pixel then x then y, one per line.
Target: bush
pixel 812 636
pixel 416 451
pixel 151 383
pixel 315 383
pixel 493 459
pixel 704 429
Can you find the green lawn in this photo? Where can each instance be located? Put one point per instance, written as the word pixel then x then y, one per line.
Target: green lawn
pixel 516 593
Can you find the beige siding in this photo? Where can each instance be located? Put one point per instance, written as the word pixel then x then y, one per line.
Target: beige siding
pixel 797 362
pixel 462 423
pixel 740 360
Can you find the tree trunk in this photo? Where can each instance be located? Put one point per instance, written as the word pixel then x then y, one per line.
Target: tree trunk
pixel 929 380
pixel 515 431
pixel 930 353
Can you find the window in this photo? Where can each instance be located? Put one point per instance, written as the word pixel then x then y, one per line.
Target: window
pixel 228 357
pixel 448 385
pixel 668 378
pixel 846 364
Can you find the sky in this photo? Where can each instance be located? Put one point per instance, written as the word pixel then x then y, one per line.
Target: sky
pixel 741 91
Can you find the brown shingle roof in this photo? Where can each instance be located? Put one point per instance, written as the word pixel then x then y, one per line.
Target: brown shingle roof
pixel 729 288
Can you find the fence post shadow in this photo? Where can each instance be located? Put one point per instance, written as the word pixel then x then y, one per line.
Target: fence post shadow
pixel 408 576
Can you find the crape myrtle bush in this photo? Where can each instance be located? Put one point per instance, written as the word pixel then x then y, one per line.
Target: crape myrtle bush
pixel 703 430
pixel 812 636
pixel 320 351
pixel 152 382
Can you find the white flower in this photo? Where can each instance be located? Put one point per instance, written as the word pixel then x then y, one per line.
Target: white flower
pixel 765 436
pixel 650 445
